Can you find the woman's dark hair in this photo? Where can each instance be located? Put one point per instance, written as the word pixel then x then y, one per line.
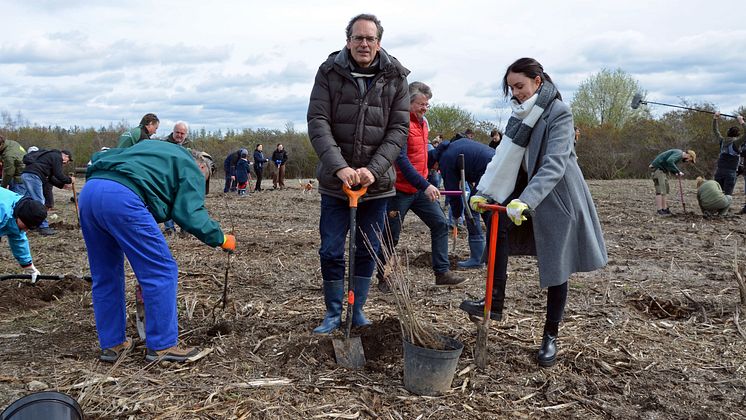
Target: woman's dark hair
pixel 734 132
pixel 530 68
pixel 149 118
pixel 258 146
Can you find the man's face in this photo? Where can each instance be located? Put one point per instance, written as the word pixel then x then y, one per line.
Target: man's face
pixel 180 133
pixel 419 106
pixel 364 43
pixel 65 159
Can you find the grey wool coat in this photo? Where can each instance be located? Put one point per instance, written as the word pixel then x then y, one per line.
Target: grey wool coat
pixel 567 235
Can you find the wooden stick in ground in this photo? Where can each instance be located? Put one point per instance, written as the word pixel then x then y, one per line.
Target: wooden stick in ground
pixel 75 198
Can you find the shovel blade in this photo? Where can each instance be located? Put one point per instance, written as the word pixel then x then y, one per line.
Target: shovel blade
pixel 139 313
pixel 480 354
pixel 349 352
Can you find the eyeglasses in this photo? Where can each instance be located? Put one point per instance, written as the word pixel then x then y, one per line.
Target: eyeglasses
pixel 358 39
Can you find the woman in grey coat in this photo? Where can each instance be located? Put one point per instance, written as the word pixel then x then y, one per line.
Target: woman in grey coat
pixel 535 171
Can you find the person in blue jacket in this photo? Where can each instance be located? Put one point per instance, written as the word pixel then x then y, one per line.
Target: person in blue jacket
pixel 229 166
pixel 17 215
pixel 476 158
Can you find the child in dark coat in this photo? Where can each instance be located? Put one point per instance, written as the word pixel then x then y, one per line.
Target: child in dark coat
pixel 242 173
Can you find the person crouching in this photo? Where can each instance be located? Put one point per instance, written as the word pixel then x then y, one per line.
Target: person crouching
pixel 127 193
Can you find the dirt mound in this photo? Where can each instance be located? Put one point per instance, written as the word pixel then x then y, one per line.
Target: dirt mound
pixel 24 295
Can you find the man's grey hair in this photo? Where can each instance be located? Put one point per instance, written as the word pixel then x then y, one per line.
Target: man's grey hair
pixel 365 16
pixel 204 159
pixel 418 88
pixel 184 123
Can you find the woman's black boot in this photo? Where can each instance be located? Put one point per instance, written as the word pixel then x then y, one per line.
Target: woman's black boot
pixel 548 351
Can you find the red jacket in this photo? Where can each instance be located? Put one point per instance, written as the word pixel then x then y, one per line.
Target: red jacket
pixel 416 153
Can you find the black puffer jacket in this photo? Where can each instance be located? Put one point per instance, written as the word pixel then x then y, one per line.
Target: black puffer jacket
pixel 47 165
pixel 348 128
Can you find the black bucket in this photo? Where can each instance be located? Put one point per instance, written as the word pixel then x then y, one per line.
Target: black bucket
pixel 48 405
pixel 428 371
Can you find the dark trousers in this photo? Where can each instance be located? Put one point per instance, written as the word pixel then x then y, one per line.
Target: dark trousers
pixel 334 225
pixel 727 180
pixel 258 185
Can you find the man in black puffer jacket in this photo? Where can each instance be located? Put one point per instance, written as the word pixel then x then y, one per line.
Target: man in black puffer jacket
pixel 45 166
pixel 358 120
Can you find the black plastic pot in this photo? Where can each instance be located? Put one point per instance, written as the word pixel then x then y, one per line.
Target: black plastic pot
pixel 47 405
pixel 428 371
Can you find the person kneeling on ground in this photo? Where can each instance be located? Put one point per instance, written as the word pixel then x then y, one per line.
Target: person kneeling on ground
pixel 17 215
pixel 712 200
pixel 127 193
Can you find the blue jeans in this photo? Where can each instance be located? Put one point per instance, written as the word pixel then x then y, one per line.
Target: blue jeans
pixel 115 222
pixel 334 224
pixel 169 225
pixel 34 188
pixel 431 214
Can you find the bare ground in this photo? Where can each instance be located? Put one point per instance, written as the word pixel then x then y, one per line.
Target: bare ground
pixel 654 335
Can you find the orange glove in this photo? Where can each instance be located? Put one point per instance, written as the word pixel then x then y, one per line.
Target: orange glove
pixel 229 243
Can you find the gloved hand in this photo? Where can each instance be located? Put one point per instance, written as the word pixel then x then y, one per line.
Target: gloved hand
pixel 229 243
pixel 515 211
pixel 475 201
pixel 30 269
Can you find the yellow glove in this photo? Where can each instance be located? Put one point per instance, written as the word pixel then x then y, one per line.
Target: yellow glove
pixel 515 211
pixel 475 201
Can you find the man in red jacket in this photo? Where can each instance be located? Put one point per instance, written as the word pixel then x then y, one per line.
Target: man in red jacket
pixel 414 192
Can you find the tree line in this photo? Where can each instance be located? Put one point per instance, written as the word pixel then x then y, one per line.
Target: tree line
pixel 616 141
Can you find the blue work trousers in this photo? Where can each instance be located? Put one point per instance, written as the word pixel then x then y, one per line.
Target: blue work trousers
pixel 34 188
pixel 115 223
pixel 334 225
pixel 431 214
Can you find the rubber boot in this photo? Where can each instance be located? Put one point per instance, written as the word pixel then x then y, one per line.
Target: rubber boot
pixel 548 352
pixel 476 249
pixel 361 285
pixel 334 292
pixel 476 307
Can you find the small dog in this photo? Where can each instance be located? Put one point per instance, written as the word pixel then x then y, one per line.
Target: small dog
pixel 307 187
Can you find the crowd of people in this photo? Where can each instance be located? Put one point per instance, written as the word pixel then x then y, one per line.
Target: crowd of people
pixel 369 128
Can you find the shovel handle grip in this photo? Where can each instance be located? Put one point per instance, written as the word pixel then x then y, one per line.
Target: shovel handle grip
pixel 354 195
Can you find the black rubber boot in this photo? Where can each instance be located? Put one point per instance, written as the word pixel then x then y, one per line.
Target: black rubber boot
pixel 334 292
pixel 476 307
pixel 547 355
pixel 361 288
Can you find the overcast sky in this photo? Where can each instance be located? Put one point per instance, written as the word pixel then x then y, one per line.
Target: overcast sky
pixel 250 64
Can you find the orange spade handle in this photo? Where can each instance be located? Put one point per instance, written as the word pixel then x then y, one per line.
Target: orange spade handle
pixel 351 297
pixel 354 195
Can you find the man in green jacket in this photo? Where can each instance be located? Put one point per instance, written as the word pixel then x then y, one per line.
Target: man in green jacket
pixel 148 126
pixel 12 157
pixel 712 200
pixel 127 193
pixel 665 163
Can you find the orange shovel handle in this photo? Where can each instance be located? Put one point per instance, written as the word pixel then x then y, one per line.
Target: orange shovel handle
pixel 354 195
